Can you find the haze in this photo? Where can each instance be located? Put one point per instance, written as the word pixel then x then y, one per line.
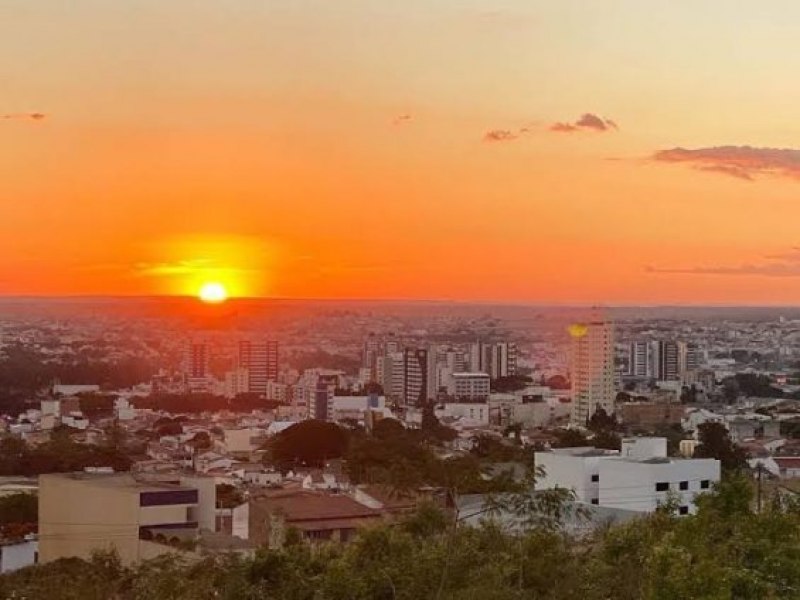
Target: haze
pixel 516 151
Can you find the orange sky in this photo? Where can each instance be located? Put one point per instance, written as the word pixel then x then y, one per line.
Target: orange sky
pixel 305 148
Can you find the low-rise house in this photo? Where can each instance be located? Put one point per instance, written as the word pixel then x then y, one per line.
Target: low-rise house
pixel 316 516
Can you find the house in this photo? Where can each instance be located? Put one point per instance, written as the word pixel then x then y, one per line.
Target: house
pixel 317 516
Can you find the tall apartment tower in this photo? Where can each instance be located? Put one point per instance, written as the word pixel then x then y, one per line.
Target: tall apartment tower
pixel 592 370
pixel 640 359
pixel 196 367
pixel 261 361
pixel 415 376
pixel 497 360
pixel 688 359
pixel 391 375
pixel 666 360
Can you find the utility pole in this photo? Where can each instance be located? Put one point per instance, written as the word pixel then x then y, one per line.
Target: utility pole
pixel 759 471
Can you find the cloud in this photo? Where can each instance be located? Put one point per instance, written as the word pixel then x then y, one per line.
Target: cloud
pixel 33 116
pixel 742 162
pixel 587 122
pixel 786 264
pixel 500 135
pixel 400 119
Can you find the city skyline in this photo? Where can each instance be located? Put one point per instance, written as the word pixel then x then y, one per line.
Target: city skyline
pixel 514 152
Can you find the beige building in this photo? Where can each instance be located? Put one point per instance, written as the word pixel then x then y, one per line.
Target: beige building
pixel 592 369
pixel 80 513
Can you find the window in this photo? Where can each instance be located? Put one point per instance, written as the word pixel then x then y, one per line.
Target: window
pixel 704 485
pixel 683 485
pixel 168 497
pixel 595 501
pixel 662 486
pixel 683 510
pixel 595 478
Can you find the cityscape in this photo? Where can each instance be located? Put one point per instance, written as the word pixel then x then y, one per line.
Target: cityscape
pixel 360 300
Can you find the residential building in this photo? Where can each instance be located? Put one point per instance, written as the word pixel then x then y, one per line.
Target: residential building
pixel 415 376
pixel 640 477
pixel 196 367
pixel 496 359
pixel 471 387
pixel 592 370
pixel 80 513
pixel 317 516
pixel 261 361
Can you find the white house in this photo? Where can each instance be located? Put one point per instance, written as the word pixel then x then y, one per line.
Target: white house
pixel 639 477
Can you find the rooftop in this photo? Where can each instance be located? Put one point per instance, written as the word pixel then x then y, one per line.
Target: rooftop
pixel 116 480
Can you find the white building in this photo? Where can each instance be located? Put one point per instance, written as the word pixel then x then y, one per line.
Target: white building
pixel 592 370
pixel 237 381
pixel 471 387
pixel 475 412
pixel 640 477
pixel 18 554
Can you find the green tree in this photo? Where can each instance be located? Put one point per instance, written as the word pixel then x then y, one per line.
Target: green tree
pixel 716 443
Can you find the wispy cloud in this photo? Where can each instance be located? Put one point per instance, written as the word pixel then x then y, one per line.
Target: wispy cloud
pixel 32 116
pixel 786 264
pixel 500 135
pixel 587 122
pixel 181 267
pixel 742 162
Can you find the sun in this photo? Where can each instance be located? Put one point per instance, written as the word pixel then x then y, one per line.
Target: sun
pixel 213 292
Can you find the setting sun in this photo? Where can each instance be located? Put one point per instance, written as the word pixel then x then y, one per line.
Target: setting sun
pixel 213 292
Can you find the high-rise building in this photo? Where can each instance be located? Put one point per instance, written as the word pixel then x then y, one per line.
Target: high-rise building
pixel 261 361
pixel 688 359
pixel 391 376
pixel 666 359
pixel 640 359
pixel 498 359
pixel 196 367
pixel 592 369
pixel 415 376
pixel 322 402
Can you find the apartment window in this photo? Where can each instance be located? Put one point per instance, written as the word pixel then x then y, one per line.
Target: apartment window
pixel 168 497
pixel 705 484
pixel 595 478
pixel 595 501
pixel 662 486
pixel 683 485
pixel 683 510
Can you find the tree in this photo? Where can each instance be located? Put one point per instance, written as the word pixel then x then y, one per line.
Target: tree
pixel 689 394
pixel 308 443
pixel 228 496
pixel 730 390
pixel 602 421
pixel 570 438
pixel 716 443
pixel 511 383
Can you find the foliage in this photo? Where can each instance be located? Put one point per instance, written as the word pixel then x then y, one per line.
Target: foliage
pixel 570 438
pixel 308 443
pixel 19 514
pixel 511 383
pixel 228 496
pixel 716 443
pixel 726 550
pixel 59 455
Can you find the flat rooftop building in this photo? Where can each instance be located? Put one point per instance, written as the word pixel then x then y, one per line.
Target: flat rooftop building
pixel 640 477
pixel 80 513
